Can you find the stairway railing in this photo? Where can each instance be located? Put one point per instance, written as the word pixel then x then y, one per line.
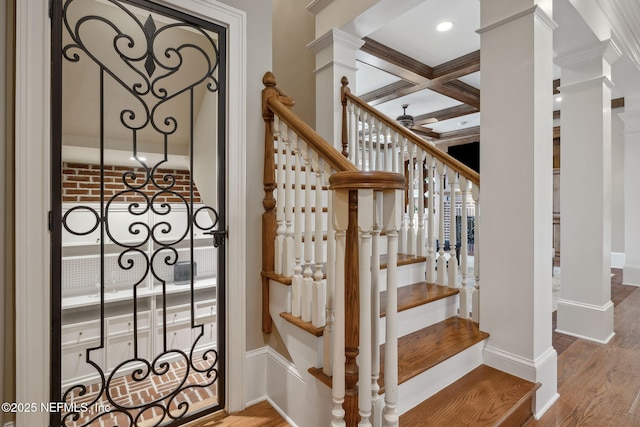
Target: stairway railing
pixel 299 165
pixel 437 188
pixel 336 286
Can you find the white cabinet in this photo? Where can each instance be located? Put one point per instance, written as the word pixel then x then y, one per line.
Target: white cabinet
pixel 82 328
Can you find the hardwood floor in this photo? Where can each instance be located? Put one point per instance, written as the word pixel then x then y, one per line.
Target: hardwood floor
pixel 258 415
pixel 599 384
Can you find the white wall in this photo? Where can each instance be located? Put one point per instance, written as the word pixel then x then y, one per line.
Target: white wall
pixel 617 183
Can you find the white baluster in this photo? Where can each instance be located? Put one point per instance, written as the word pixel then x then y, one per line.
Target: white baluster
pixel 475 314
pixel 362 140
pixel 352 132
pixel 395 152
pixel 319 297
pixel 464 251
pixel 431 235
pixel 441 262
pixel 389 156
pixel 365 224
pixel 280 178
pixel 296 281
pixel 376 401
pixel 420 240
pixel 392 200
pixel 411 234
pixel 371 157
pixel 287 255
pixel 340 224
pixel 452 267
pixel 307 285
pixel 402 239
pixel 327 337
pixel 364 117
pixel 380 147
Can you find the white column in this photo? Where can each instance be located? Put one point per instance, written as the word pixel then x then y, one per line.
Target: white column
pixel 516 157
pixel 335 57
pixel 585 309
pixel 631 118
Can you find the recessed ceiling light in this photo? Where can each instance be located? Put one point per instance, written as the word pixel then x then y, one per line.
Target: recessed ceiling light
pixel 444 26
pixel 559 99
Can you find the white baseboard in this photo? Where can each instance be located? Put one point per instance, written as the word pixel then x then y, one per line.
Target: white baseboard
pixel 542 370
pixel 586 321
pixel 275 379
pixel 617 259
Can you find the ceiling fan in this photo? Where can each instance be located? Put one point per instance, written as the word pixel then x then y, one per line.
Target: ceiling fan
pixel 409 121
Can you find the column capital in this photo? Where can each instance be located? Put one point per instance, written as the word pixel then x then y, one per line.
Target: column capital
pixel 536 11
pixel 580 86
pixel 335 37
pixel 631 121
pixel 576 58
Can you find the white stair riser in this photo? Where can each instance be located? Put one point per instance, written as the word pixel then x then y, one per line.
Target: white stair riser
pixel 428 383
pixel 422 316
pixel 407 275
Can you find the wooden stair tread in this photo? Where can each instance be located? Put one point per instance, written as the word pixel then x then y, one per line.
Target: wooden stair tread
pixel 417 294
pixel 425 348
pixel 307 326
pixel 403 259
pixel 409 296
pixel 484 397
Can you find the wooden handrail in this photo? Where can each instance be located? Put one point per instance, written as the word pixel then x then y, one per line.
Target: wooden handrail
pixel 463 169
pixel 365 180
pixel 326 151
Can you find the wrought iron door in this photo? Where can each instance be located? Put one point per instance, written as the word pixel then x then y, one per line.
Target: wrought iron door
pixel 138 214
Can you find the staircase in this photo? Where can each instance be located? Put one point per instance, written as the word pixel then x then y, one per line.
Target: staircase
pixel 380 318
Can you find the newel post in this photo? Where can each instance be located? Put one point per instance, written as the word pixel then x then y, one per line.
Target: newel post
pixel 345 131
pixel 352 313
pixel 269 183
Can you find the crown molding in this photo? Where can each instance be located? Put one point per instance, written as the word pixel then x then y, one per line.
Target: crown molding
pixel 606 49
pixel 316 6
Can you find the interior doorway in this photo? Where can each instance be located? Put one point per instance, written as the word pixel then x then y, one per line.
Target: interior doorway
pixel 139 215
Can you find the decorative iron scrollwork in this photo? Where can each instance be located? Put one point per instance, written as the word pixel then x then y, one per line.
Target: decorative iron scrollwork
pixel 140 56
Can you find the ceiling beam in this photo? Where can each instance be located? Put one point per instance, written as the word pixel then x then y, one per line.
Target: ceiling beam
pixel 445 114
pixel 441 79
pixel 425 132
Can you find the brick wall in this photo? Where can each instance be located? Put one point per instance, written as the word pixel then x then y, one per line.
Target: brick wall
pixel 81 183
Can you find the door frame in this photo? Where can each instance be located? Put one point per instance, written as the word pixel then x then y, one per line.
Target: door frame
pixel 33 199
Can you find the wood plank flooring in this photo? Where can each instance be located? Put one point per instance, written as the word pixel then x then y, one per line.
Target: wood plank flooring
pixel 259 415
pixel 599 385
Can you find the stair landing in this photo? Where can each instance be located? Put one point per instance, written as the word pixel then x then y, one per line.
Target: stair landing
pixel 485 397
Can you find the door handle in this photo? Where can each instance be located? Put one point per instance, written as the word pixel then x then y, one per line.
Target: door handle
pixel 218 237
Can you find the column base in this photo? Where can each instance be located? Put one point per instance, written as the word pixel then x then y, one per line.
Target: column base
pixel 587 321
pixel 543 370
pixel 631 275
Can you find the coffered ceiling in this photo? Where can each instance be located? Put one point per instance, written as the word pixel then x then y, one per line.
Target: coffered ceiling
pixel 407 61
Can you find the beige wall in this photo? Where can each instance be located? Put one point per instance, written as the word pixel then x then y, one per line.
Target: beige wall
pixel 259 60
pixel 293 63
